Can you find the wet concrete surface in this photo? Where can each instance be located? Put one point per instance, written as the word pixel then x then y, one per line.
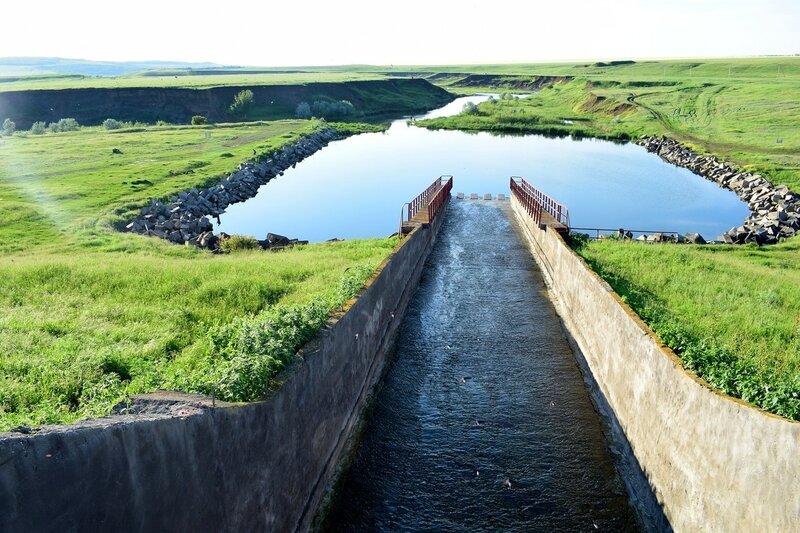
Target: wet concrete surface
pixel 483 422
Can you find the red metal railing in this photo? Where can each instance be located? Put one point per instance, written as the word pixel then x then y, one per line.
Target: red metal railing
pixel 528 193
pixel 439 199
pixel 531 204
pixel 423 198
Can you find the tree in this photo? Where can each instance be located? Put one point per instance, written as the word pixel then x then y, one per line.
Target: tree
pixel 242 103
pixel 8 127
pixel 199 120
pixel 112 124
pixel 470 109
pixel 303 110
pixel 38 128
pixel 65 124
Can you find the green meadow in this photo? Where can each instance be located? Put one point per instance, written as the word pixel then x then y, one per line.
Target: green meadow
pixel 90 315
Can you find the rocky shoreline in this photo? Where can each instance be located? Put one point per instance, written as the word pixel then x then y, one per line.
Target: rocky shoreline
pixel 774 209
pixel 185 219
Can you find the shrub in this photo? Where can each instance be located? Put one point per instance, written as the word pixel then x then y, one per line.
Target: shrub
pixel 199 120
pixel 162 123
pixel 38 128
pixel 65 124
pixel 470 109
pixel 112 124
pixel 326 109
pixel 236 243
pixel 247 353
pixel 303 110
pixel 8 127
pixel 242 103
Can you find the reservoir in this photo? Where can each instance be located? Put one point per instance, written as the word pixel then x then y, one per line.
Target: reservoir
pixel 354 188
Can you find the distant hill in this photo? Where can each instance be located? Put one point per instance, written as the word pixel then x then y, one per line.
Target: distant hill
pixel 24 66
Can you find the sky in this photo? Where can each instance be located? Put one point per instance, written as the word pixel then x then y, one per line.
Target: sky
pixel 389 32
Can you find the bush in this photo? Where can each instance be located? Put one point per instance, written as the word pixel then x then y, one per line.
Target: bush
pixel 38 128
pixel 303 110
pixel 247 353
pixel 236 243
pixel 113 124
pixel 199 120
pixel 65 124
pixel 242 103
pixel 470 109
pixel 8 127
pixel 326 109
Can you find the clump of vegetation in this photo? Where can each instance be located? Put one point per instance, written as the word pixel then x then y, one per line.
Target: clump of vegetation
pixel 242 103
pixel 8 128
pixel 199 120
pixel 236 243
pixel 247 353
pixel 64 125
pixel 327 109
pixel 470 108
pixel 38 128
pixel 303 110
pixel 113 124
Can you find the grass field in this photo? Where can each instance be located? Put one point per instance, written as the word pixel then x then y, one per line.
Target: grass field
pixel 89 315
pixel 182 79
pixel 743 110
pixel 59 189
pixel 731 312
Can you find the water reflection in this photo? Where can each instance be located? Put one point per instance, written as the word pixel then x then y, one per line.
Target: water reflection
pixel 355 188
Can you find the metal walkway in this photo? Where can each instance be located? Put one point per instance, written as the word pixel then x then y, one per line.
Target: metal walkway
pixel 483 422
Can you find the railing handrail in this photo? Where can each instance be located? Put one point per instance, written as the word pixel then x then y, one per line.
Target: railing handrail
pixel 631 230
pixel 559 211
pixel 424 197
pixel 440 198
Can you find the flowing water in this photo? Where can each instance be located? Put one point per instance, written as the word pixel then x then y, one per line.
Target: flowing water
pixel 356 187
pixel 483 422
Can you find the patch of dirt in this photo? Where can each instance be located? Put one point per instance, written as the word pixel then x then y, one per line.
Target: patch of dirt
pixel 592 102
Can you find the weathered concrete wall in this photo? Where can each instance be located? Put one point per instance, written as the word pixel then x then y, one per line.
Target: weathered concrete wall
pixel 714 463
pixel 256 467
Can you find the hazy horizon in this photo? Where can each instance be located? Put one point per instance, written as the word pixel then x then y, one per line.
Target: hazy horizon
pixel 417 33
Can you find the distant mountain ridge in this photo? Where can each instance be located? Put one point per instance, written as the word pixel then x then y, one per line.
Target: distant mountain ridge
pixel 22 66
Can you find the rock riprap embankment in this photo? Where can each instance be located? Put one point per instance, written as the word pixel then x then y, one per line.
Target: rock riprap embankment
pixel 185 218
pixel 774 209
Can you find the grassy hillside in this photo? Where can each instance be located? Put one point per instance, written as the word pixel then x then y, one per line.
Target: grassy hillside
pixel 739 109
pixel 91 106
pixel 89 315
pixel 184 79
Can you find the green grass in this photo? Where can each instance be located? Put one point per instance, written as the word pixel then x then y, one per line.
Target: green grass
pixel 58 189
pixel 89 315
pixel 180 79
pixel 80 331
pixel 736 109
pixel 731 312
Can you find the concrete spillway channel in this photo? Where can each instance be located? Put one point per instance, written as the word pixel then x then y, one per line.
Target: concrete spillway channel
pixel 483 422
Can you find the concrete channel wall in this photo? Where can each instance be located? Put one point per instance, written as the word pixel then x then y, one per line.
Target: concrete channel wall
pixel 256 467
pixel 713 462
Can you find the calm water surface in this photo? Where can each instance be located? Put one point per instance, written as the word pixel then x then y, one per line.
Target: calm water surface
pixel 356 187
